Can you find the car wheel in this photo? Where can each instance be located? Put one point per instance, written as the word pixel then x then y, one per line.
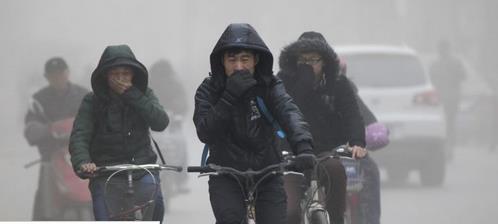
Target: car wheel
pixel 432 174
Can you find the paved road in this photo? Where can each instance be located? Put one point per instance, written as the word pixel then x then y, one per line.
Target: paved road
pixel 469 194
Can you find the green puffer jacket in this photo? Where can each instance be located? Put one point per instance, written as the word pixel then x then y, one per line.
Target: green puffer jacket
pixel 111 129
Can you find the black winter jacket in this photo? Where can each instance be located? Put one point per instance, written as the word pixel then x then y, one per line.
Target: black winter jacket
pixel 238 135
pixel 331 107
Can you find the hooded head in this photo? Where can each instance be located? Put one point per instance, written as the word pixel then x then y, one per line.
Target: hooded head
pixel 310 42
pixel 161 68
pixel 113 56
pixel 242 36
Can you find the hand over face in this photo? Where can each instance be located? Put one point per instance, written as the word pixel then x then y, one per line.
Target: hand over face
pixel 120 78
pixel 305 76
pixel 119 86
pixel 239 82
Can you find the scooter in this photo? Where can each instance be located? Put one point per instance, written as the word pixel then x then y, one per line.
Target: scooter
pixel 67 195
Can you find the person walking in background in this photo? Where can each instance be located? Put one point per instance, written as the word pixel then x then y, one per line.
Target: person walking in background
pixel 169 89
pixel 171 93
pixel 447 74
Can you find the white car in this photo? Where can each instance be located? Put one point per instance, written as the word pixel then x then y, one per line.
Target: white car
pixel 396 87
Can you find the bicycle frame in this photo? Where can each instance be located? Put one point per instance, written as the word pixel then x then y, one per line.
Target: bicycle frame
pixel 312 203
pixel 355 208
pixel 249 187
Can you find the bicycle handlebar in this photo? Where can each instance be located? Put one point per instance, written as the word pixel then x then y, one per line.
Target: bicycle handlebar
pixel 342 151
pixel 212 169
pixel 104 169
pixel 199 169
pixel 139 167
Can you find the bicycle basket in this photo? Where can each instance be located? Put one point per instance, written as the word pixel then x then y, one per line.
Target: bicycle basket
pixel 125 201
pixel 354 175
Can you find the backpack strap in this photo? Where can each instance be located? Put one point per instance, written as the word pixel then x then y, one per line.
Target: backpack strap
pixel 158 151
pixel 266 113
pixel 205 153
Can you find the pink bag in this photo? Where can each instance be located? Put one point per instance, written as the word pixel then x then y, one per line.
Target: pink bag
pixel 376 136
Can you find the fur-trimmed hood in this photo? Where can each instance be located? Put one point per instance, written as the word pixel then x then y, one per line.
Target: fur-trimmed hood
pixel 309 42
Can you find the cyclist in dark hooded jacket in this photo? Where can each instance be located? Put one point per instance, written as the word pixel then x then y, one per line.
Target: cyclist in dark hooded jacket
pixel 309 70
pixel 229 122
pixel 113 122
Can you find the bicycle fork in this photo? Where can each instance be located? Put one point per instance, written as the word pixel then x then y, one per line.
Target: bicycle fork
pixel 312 205
pixel 251 210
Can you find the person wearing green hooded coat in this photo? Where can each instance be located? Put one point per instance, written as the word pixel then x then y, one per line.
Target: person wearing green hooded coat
pixel 113 122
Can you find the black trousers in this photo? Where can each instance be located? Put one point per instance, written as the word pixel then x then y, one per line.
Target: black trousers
pixel 227 201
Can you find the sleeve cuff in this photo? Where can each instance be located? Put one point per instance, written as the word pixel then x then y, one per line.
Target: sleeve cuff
pixel 304 147
pixel 132 94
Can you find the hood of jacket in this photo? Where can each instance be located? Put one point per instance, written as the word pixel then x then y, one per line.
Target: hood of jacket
pixel 117 55
pixel 310 42
pixel 241 35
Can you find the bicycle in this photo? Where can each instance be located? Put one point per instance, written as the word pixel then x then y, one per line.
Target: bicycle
pixel 126 197
pixel 250 184
pixel 355 207
pixel 312 205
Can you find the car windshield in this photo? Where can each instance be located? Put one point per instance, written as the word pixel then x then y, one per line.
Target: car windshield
pixel 382 70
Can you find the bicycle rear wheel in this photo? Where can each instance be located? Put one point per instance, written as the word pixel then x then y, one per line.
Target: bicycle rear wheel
pixel 129 201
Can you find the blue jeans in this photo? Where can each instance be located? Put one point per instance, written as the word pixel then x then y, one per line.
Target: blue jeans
pixel 97 188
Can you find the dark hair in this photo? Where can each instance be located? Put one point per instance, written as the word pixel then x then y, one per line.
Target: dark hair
pixel 54 65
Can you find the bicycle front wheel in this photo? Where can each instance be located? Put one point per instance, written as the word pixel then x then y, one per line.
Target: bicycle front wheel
pixel 130 200
pixel 319 217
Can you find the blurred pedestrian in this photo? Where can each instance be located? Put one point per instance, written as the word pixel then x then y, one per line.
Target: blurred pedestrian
pixel 48 124
pixel 172 95
pixel 447 74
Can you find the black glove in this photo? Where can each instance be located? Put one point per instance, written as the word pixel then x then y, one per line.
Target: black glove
pixel 302 85
pixel 331 69
pixel 239 82
pixel 304 161
pixel 305 76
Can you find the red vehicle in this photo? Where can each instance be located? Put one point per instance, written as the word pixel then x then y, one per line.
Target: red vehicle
pixel 67 196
